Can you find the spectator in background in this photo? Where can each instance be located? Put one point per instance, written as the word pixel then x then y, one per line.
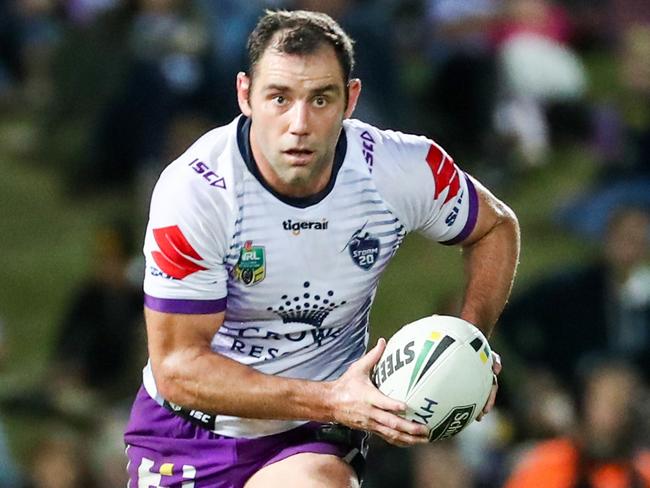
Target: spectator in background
pixel 87 12
pixel 624 13
pixel 600 308
pixel 97 343
pixel 168 72
pixel 228 23
pixel 635 74
pixel 543 406
pixel 608 449
pixel 462 95
pixel 184 128
pixel 542 80
pixel 621 137
pixel 61 460
pixel 370 25
pixel 41 28
pixel 89 65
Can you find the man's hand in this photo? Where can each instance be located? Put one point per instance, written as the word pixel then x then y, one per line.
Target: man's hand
pixel 496 369
pixel 360 405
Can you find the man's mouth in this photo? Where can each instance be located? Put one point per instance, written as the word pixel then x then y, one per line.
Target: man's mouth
pixel 298 152
pixel 299 156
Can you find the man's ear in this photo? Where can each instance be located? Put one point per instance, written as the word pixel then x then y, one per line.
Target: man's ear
pixel 243 93
pixel 354 90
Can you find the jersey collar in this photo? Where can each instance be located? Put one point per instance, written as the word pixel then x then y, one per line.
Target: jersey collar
pixel 244 144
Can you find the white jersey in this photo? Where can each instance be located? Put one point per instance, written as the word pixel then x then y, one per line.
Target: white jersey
pixel 296 277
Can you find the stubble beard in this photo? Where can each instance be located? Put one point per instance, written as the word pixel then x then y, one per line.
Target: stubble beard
pixel 304 179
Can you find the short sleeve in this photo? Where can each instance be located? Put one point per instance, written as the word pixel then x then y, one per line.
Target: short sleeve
pixel 185 244
pixel 424 187
pixel 453 210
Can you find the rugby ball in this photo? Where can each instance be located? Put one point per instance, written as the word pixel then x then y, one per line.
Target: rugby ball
pixel 441 367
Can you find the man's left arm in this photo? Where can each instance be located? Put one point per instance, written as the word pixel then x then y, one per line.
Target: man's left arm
pixel 490 254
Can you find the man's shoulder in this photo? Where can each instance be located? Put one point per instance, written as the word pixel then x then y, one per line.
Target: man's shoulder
pixel 365 132
pixel 217 137
pixel 415 177
pixel 206 167
pixel 218 146
pixel 392 151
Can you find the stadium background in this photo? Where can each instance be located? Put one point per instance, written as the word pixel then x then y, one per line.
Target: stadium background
pixel 97 95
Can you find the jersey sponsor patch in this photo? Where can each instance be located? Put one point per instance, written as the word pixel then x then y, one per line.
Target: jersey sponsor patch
pixel 176 258
pixel 445 173
pixel 296 226
pixel 251 267
pixel 308 306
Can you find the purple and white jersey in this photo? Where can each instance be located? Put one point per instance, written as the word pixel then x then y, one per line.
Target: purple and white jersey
pixel 296 277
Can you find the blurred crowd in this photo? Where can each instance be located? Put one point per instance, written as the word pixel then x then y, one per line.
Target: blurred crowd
pixel 113 90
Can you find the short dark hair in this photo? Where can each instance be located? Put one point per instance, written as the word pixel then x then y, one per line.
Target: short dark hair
pixel 302 32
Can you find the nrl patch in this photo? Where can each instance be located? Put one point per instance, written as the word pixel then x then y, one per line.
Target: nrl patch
pixel 363 248
pixel 251 267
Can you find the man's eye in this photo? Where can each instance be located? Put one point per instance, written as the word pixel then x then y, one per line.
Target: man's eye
pixel 279 100
pixel 320 101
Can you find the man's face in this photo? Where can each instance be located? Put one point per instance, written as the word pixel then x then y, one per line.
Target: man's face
pixel 297 105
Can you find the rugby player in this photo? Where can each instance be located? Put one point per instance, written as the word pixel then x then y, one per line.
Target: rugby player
pixel 265 244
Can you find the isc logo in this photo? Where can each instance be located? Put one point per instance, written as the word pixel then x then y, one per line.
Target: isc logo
pixel 203 417
pixel 208 175
pixel 451 217
pixel 368 149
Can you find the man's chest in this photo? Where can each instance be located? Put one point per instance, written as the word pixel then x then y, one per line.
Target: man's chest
pixel 307 264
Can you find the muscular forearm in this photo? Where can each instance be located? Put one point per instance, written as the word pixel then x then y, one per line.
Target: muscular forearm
pixel 203 380
pixel 190 374
pixel 490 264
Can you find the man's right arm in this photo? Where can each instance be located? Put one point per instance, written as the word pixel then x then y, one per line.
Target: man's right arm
pixel 189 373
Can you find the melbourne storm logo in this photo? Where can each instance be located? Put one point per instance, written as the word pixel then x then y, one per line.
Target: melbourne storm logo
pixel 363 248
pixel 306 307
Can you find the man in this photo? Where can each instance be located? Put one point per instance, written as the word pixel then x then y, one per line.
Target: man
pixel 265 244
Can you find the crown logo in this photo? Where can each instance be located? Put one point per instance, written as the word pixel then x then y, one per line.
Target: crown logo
pixel 307 308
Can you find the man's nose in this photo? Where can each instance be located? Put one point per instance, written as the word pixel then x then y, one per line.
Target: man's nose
pixel 299 123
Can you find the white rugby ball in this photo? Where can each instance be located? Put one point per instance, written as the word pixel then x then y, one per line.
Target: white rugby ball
pixel 441 367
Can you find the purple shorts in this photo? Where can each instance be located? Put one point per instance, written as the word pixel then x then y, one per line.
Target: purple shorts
pixel 166 450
